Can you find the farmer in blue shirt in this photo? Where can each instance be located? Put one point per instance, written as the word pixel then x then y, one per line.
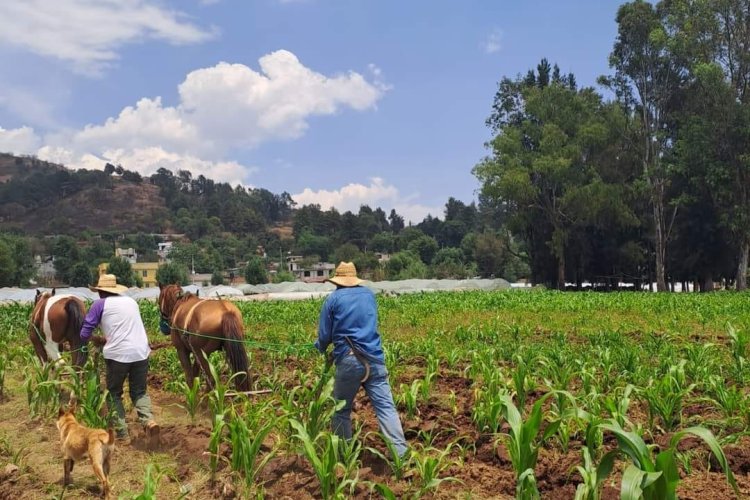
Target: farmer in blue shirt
pixel 349 321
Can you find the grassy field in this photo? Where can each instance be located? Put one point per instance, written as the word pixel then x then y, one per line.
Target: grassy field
pixel 502 395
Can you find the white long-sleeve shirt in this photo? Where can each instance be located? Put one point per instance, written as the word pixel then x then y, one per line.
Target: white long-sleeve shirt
pixel 120 321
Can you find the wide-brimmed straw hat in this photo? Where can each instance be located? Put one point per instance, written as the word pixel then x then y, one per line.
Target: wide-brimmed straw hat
pixel 108 283
pixel 346 275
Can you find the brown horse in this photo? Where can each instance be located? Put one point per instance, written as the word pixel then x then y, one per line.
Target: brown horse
pixel 199 327
pixel 55 319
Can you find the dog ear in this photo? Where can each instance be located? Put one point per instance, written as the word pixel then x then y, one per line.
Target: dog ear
pixel 60 412
pixel 72 402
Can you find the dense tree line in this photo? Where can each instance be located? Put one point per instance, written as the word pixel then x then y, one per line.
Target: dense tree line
pixel 652 185
pixel 458 245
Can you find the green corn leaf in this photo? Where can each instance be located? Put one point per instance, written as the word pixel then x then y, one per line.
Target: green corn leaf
pixel 632 445
pixel 605 466
pixel 635 481
pixel 708 438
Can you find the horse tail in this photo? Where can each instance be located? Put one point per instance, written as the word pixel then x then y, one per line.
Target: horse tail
pixel 75 314
pixel 234 346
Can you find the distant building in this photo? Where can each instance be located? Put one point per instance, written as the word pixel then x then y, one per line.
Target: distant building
pixel 383 257
pixel 127 254
pixel 163 250
pixel 145 270
pixel 313 273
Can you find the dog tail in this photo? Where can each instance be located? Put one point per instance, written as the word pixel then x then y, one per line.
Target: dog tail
pixel 110 436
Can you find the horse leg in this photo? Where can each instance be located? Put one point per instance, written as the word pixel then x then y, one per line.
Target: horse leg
pixel 41 352
pixel 184 356
pixel 202 357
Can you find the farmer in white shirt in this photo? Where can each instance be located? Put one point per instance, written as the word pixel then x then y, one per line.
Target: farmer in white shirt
pixel 125 351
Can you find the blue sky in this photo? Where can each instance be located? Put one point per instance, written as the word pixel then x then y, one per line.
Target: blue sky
pixel 340 102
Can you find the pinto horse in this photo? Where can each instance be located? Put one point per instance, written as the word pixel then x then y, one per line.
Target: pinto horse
pixel 201 326
pixel 55 319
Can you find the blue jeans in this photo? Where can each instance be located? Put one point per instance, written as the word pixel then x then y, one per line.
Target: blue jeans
pixel 349 373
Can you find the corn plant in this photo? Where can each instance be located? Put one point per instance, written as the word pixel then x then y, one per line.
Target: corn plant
pixel 42 388
pixel 656 477
pixel 409 396
pixel 524 439
pixel 428 464
pixel 151 479
pixel 217 396
pixel 728 399
pixel 665 396
pixel 334 461
pixel 618 406
pixel 4 362
pixel 396 462
pixel 522 380
pixel 452 357
pixel 214 443
pixel 246 442
pixel 453 403
pixel 93 400
pixel 193 397
pixel 738 341
pixel 488 409
pixel 701 362
pixel 593 475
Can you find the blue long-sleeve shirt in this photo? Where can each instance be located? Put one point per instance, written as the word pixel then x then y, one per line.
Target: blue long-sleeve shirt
pixel 350 312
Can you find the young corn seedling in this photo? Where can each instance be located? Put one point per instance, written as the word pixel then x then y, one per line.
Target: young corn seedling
pixel 93 401
pixel 593 475
pixel 453 403
pixel 665 396
pixel 4 364
pixel 409 396
pixel 334 461
pixel 524 439
pixel 214 444
pixel 246 443
pixel 656 478
pixel 700 363
pixel 728 399
pixel 738 341
pixel 429 463
pixel 151 479
pixel 42 388
pixel 522 380
pixel 397 463
pixel 193 397
pixel 488 409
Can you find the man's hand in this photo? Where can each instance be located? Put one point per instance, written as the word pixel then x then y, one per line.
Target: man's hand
pixel 98 341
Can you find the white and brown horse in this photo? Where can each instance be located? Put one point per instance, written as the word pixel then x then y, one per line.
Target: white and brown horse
pixel 201 326
pixel 56 319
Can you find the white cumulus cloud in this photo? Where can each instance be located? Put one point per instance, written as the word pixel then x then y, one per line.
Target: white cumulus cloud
pixel 376 194
pixel 19 141
pixel 221 109
pixel 88 33
pixel 493 42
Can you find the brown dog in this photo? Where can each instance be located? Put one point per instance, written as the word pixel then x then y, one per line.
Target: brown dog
pixel 79 442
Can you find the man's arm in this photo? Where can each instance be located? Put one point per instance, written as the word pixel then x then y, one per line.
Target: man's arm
pixel 325 327
pixel 92 320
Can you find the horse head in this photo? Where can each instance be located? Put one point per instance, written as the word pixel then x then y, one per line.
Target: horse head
pixel 169 295
pixel 43 296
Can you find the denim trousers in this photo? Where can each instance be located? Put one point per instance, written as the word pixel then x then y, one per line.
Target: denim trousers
pixel 136 374
pixel 349 373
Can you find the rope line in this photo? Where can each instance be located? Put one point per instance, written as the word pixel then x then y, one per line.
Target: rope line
pixel 84 347
pixel 269 346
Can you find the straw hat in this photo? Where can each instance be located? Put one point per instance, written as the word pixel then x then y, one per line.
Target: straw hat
pixel 108 283
pixel 346 275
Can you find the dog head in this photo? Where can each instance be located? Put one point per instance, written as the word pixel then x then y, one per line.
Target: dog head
pixel 65 416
